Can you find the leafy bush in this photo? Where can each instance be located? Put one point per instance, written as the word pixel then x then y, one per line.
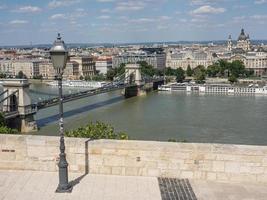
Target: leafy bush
pixel 174 140
pixel 3 126
pixel 6 130
pixel 97 130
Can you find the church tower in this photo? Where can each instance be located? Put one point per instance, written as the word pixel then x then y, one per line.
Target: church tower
pixel 243 41
pixel 229 43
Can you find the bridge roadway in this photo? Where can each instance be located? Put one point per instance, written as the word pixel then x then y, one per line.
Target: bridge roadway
pixel 91 92
pixel 79 95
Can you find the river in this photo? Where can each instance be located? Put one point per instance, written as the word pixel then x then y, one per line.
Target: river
pixel 164 115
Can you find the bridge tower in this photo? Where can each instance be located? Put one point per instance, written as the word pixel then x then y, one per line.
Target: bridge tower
pixel 17 106
pixel 133 77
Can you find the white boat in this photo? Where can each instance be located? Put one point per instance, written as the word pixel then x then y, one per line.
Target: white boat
pixel 79 83
pixel 164 88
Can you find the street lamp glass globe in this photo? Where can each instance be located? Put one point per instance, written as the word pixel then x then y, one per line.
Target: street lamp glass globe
pixel 59 54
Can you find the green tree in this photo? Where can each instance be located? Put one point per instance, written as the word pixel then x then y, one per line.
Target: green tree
pixel 98 77
pixel 189 71
pixel 180 75
pixel 170 72
pixel 237 68
pixel 3 126
pixel 81 78
pixel 110 74
pixel 2 120
pixel 223 66
pixel 199 74
pixel 21 75
pixel 232 79
pixel 2 75
pixel 87 78
pixel 146 68
pixel 213 70
pixel 97 130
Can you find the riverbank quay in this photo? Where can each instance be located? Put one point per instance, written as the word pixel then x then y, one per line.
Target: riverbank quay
pixel 208 162
pixel 31 185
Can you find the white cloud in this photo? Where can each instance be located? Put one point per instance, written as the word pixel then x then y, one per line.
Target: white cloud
pixel 104 1
pixel 2 7
pixel 259 17
pixel 18 22
pixel 60 3
pixel 104 17
pixel 130 6
pixel 204 2
pixel 142 20
pixel 208 10
pixel 58 16
pixel 28 9
pixel 260 1
pixel 105 10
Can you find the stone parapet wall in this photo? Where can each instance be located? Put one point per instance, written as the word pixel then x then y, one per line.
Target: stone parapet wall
pixel 218 162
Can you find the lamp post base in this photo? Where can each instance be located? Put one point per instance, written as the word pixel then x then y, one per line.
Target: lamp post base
pixel 64 189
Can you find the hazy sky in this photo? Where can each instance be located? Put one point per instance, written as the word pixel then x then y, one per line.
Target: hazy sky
pixel 38 21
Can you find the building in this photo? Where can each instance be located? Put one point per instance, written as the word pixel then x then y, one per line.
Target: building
pixel 86 65
pixel 153 56
pixel 103 64
pixel 184 59
pixel 253 58
pixel 29 67
pixel 6 67
pixel 71 72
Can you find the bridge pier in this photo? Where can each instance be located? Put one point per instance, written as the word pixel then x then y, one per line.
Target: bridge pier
pixel 17 107
pixel 137 86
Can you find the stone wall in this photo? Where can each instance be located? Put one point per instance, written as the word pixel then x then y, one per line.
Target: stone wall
pixel 230 163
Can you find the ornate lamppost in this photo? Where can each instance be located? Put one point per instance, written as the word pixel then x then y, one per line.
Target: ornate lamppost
pixel 59 55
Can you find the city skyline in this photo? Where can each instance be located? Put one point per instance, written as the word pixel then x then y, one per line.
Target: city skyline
pixel 127 21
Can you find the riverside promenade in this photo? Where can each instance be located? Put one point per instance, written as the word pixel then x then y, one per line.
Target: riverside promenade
pixel 32 185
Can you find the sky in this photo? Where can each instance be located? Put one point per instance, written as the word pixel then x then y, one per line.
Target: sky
pixel 24 22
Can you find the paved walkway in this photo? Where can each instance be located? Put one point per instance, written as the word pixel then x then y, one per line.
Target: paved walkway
pixel 31 185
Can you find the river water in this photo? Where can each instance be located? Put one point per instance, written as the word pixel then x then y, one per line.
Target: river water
pixel 164 115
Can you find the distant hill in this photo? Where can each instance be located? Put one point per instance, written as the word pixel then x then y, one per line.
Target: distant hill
pixel 88 45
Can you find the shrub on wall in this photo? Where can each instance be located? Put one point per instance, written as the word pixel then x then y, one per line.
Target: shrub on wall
pixel 98 130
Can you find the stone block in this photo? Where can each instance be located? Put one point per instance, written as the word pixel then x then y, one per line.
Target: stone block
pixel 200 175
pixel 114 160
pixel 116 170
pixel 211 176
pixel 187 174
pixel 131 171
pixel 36 141
pixel 36 151
pixel 232 167
pixel 222 176
pixel 169 173
pixel 153 172
pixel 226 157
pixel 96 160
pixel 105 170
pixel 218 166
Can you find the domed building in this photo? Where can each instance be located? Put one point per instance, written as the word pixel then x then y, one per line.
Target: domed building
pixel 243 41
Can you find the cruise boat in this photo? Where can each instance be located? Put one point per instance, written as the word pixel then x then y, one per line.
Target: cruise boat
pixel 79 83
pixel 215 88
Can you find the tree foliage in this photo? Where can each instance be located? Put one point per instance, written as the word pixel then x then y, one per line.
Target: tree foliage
pixel 2 75
pixel 3 126
pixel 180 75
pixel 97 130
pixel 199 74
pixel 189 71
pixel 21 75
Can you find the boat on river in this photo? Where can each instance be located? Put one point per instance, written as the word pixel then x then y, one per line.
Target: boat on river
pixel 215 88
pixel 79 83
